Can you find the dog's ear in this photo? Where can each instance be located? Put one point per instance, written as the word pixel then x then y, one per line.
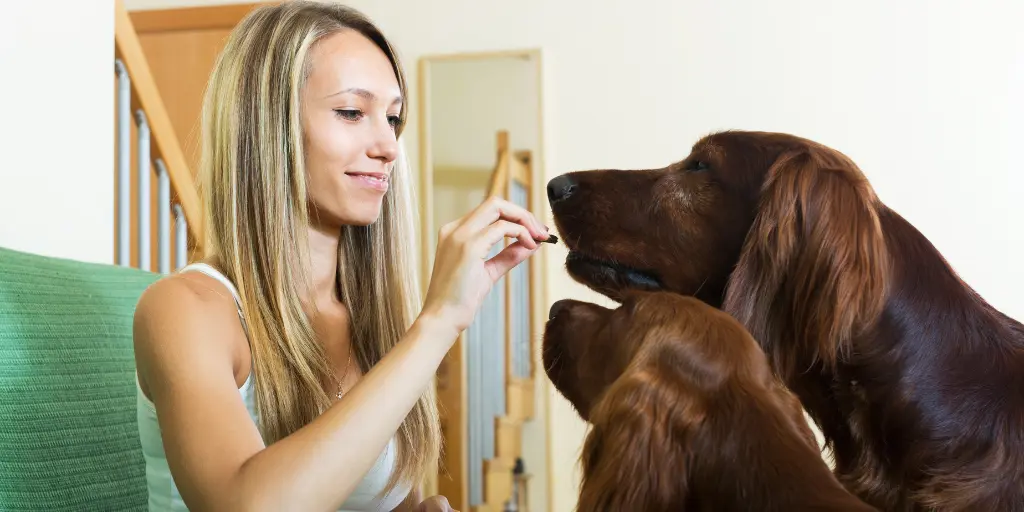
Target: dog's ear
pixel 813 270
pixel 636 455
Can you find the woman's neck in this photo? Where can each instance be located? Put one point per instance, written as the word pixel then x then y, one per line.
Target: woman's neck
pixel 323 263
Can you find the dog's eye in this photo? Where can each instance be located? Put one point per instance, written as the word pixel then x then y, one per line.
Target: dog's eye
pixel 697 165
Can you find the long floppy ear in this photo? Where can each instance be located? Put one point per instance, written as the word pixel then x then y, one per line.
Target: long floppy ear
pixel 814 267
pixel 636 456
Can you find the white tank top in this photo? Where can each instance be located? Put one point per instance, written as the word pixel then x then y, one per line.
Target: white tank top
pixel 163 494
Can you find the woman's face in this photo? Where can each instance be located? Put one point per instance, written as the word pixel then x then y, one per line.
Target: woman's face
pixel 350 108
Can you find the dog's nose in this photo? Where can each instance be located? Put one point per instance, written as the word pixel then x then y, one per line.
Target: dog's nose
pixel 556 308
pixel 560 188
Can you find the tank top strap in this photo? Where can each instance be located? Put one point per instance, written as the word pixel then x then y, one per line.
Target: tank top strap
pixel 209 270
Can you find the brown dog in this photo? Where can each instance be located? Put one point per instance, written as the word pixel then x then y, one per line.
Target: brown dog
pixel 686 414
pixel 915 381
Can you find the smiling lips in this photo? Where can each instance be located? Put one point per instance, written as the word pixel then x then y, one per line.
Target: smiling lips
pixel 375 180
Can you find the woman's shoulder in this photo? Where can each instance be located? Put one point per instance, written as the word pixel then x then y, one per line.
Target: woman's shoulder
pixel 189 297
pixel 183 316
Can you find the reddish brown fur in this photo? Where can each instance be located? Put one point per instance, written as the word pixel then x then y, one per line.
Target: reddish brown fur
pixel 686 414
pixel 915 381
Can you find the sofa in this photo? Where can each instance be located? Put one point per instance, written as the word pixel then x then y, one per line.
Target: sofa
pixel 68 437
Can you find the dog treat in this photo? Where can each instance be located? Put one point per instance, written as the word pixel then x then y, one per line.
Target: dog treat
pixel 552 239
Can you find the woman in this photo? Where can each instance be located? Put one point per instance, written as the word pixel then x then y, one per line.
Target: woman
pixel 286 371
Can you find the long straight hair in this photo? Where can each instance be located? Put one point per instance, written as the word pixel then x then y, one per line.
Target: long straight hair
pixel 254 188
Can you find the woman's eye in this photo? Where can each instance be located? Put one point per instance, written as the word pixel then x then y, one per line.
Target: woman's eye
pixel 348 114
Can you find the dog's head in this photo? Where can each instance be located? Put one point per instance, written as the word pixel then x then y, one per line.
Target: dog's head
pixel 588 347
pixel 761 224
pixel 667 382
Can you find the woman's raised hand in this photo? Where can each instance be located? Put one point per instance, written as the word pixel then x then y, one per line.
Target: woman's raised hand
pixel 462 274
pixel 435 504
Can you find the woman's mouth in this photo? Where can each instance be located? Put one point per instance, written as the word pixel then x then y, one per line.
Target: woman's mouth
pixel 374 180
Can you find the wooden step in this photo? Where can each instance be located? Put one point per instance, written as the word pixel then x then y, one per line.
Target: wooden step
pixel 508 439
pixel 497 482
pixel 519 400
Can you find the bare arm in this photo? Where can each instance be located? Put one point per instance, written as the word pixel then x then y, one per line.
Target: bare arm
pixel 215 452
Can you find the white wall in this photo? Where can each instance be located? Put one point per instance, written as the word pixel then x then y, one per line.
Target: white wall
pixel 925 96
pixel 473 99
pixel 57 128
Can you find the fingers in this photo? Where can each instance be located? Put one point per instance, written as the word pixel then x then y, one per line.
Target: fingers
pixel 498 231
pixel 493 212
pixel 495 219
pixel 447 230
pixel 506 260
pixel 495 208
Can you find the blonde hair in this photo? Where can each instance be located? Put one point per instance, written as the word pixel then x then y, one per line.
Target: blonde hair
pixel 254 188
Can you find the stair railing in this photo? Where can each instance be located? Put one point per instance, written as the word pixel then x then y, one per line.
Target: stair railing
pixel 140 109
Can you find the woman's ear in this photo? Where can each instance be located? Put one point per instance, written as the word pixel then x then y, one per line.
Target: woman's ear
pixel 814 267
pixel 636 454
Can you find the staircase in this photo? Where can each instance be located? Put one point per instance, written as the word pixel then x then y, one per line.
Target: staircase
pixel 151 173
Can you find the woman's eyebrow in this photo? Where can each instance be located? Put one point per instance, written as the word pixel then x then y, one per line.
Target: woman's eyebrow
pixel 364 93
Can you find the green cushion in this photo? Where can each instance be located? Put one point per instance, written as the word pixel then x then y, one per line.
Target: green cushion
pixel 68 435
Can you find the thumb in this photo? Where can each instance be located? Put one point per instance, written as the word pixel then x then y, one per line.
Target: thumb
pixel 442 502
pixel 507 259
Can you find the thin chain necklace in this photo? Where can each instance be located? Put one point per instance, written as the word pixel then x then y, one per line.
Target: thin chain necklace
pixel 341 379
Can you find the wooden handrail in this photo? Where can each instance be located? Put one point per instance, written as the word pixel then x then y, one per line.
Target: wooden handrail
pixel 498 184
pixel 146 96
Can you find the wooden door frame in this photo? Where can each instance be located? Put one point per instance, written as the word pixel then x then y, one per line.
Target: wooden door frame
pixel 428 232
pixel 209 17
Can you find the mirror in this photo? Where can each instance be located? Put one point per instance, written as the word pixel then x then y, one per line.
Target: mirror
pixel 481 134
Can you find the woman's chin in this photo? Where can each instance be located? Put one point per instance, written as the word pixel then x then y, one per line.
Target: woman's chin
pixel 362 216
pixel 362 213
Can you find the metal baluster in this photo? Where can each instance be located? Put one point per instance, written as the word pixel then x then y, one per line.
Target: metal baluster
pixel 521 327
pixel 473 384
pixel 487 342
pixel 526 357
pixel 143 191
pixel 163 218
pixel 485 337
pixel 513 282
pixel 522 317
pixel 124 150
pixel 521 299
pixel 499 345
pixel 180 238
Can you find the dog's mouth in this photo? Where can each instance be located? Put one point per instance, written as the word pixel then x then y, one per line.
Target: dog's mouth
pixel 552 352
pixel 564 341
pixel 609 277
